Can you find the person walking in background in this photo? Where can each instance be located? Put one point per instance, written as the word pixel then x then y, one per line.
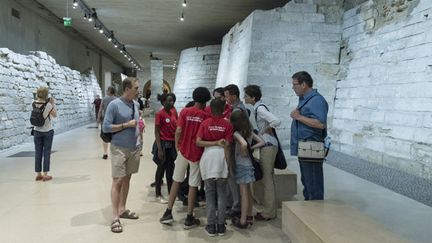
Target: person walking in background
pixel 244 170
pixel 43 135
pixel 104 104
pixel 264 190
pixel 96 105
pixel 165 154
pixel 215 135
pixel 309 124
pixel 121 119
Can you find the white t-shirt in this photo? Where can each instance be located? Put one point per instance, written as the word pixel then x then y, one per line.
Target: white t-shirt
pixel 47 126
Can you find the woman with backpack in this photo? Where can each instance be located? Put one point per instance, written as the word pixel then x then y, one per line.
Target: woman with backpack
pixel 43 110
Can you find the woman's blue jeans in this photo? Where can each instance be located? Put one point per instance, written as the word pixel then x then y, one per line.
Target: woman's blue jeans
pixel 43 143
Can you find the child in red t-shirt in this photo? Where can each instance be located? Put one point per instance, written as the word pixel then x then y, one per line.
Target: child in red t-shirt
pixel 188 124
pixel 165 154
pixel 214 135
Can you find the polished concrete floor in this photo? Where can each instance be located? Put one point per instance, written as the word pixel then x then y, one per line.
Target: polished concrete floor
pixel 75 205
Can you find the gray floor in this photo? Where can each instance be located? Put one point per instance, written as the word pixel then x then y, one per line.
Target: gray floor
pixel 74 206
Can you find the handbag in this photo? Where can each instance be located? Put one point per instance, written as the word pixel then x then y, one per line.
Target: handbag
pixel 311 151
pixel 258 174
pixel 106 136
pixel 280 160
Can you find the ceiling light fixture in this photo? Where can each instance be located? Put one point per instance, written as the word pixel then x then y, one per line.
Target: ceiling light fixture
pixel 184 4
pixel 90 15
pixel 182 17
pixel 75 4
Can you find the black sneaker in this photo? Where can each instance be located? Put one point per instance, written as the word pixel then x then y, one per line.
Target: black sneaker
pixel 210 229
pixel 167 218
pixel 153 184
pixel 191 222
pixel 221 229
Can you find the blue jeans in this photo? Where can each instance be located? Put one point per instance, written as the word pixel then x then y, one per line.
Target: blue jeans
pixel 312 179
pixel 216 196
pixel 43 143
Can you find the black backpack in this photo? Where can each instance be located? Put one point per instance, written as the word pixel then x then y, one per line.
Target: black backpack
pixel 36 117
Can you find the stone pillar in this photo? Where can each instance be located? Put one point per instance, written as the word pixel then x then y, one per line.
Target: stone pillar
pixel 156 73
pixel 107 82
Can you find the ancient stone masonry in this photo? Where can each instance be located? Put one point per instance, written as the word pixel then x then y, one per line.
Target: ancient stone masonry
pixel 21 75
pixel 383 111
pixel 197 67
pixel 268 47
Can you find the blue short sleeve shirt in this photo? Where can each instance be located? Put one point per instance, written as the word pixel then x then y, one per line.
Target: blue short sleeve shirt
pixel 311 105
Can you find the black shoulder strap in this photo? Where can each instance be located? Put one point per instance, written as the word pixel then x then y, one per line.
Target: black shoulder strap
pixel 299 107
pixel 256 111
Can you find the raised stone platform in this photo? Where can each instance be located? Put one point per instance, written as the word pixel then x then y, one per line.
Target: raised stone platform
pixel 331 221
pixel 285 185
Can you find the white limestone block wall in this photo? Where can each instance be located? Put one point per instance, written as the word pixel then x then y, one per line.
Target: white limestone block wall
pixel 383 111
pixel 234 56
pixel 268 47
pixel 22 75
pixel 197 67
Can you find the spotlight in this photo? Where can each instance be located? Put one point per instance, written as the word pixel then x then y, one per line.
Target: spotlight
pixel 184 3
pixel 115 45
pixel 85 17
pixel 182 17
pixel 74 4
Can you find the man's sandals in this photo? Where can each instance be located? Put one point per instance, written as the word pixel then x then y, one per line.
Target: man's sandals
pixel 127 214
pixel 116 226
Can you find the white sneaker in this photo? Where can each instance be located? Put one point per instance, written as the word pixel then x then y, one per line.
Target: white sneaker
pixel 161 199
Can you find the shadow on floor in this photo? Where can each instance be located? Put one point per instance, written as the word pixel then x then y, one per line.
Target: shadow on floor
pixel 70 179
pixel 99 217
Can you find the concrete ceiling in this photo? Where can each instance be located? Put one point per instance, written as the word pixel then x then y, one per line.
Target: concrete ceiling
pixel 146 26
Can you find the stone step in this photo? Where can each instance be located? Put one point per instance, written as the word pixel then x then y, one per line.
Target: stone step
pixel 285 185
pixel 331 221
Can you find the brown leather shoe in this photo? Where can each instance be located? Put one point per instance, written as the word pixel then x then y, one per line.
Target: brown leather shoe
pixel 46 178
pixel 39 177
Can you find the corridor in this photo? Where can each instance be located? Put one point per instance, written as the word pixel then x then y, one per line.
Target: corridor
pixel 75 205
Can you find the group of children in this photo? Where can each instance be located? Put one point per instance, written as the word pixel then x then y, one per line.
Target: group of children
pixel 214 146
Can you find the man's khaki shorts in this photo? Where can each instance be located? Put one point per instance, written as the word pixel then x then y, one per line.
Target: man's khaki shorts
pixel 124 161
pixel 180 169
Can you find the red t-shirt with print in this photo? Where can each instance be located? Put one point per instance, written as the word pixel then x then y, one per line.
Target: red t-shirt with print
pixel 189 121
pixel 168 124
pixel 226 113
pixel 216 128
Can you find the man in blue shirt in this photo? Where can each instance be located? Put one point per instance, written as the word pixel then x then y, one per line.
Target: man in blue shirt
pixel 121 119
pixel 309 124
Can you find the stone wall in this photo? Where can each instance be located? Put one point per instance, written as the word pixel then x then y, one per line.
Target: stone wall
pixel 234 57
pixel 21 76
pixel 268 47
pixel 383 111
pixel 197 67
pixel 37 30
